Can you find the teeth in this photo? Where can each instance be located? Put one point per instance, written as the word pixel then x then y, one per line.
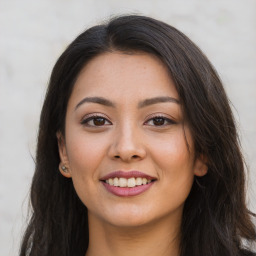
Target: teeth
pixel 116 182
pixel 130 183
pixel 111 182
pixel 139 181
pixel 122 182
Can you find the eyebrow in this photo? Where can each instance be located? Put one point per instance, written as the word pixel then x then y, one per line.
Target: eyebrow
pixel 156 100
pixel 144 103
pixel 98 100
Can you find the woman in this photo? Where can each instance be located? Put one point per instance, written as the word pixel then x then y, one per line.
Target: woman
pixel 137 152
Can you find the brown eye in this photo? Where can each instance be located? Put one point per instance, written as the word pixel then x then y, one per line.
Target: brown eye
pixel 95 121
pixel 99 121
pixel 158 121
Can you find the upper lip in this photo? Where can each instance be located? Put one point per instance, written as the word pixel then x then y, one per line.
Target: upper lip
pixel 127 175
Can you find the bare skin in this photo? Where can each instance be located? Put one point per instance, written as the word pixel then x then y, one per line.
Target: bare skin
pixel 124 114
pixel 149 240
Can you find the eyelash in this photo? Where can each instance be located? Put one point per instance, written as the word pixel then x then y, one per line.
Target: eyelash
pixel 167 121
pixel 85 122
pixel 93 118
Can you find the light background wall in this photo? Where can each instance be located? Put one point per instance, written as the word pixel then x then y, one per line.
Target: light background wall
pixel 33 33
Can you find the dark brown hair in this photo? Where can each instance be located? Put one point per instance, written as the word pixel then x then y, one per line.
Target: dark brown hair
pixel 216 220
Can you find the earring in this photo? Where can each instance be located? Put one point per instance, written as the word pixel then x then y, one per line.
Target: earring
pixel 64 168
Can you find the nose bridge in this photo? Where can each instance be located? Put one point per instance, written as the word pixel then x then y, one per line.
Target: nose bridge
pixel 127 135
pixel 127 144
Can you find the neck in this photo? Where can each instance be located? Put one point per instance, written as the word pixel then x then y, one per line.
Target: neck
pixel 108 240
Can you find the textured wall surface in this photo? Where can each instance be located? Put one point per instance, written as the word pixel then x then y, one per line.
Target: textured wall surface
pixel 33 33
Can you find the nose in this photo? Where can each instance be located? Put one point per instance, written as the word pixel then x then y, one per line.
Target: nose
pixel 127 145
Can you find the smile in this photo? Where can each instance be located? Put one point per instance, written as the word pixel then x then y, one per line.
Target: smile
pixel 125 184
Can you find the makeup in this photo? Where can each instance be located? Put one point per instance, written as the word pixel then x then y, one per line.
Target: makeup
pixel 127 184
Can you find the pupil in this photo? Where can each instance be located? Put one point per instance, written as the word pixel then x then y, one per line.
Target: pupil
pixel 99 121
pixel 158 121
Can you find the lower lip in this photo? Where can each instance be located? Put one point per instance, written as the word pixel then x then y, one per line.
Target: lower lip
pixel 125 192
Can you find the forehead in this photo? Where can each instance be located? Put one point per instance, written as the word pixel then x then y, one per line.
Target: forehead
pixel 119 75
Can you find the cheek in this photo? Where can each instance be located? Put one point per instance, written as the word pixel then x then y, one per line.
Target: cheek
pixel 175 164
pixel 85 152
pixel 172 151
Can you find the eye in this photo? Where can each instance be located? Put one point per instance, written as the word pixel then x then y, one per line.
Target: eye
pixel 95 120
pixel 159 121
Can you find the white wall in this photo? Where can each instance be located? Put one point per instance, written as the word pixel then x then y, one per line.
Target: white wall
pixel 33 33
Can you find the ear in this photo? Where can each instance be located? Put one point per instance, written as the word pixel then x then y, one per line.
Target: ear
pixel 200 166
pixel 64 166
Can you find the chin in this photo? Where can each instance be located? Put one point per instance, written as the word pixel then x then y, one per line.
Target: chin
pixel 129 216
pixel 129 221
pixel 136 217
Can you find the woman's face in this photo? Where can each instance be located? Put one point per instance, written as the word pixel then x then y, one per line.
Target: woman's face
pixel 125 144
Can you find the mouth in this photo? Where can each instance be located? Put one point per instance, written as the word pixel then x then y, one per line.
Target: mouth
pixel 127 183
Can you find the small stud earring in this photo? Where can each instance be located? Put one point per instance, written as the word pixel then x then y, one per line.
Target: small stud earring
pixel 64 168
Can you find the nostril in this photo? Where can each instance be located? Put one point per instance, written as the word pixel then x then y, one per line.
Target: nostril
pixel 133 157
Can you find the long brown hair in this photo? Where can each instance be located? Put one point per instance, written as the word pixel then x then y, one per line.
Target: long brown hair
pixel 216 220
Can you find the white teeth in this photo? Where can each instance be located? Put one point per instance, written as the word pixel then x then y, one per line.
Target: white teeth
pixel 116 182
pixel 111 182
pixel 122 182
pixel 139 181
pixel 130 183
